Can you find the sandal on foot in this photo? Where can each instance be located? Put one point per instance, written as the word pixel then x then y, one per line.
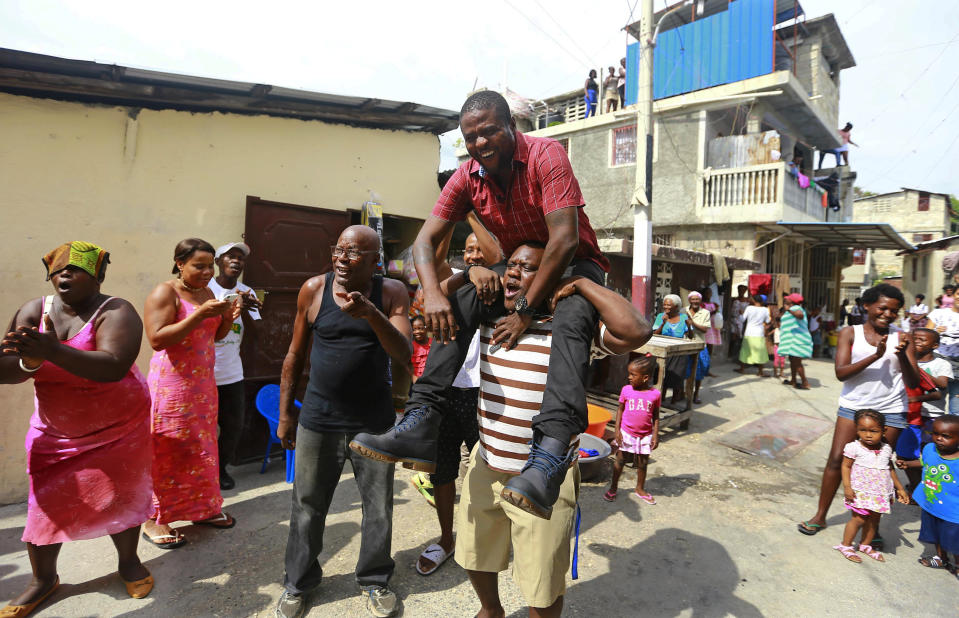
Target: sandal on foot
pixel 165 541
pixel 848 553
pixel 875 554
pixel 935 562
pixel 220 520
pixel 809 529
pixel 609 496
pixel 435 554
pixel 139 588
pixel 648 499
pixel 19 611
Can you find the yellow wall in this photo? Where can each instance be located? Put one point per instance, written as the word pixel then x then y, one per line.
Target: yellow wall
pixel 137 183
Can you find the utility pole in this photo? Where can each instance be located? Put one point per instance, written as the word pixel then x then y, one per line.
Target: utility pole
pixel 642 280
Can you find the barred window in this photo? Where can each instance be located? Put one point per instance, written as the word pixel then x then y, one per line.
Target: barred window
pixel 624 145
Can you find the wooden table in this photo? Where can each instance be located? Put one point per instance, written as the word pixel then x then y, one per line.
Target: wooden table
pixel 661 348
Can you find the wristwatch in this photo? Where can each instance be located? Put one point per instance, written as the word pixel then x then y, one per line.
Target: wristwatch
pixel 522 306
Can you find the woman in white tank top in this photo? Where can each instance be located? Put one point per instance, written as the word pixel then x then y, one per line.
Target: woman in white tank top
pixel 875 363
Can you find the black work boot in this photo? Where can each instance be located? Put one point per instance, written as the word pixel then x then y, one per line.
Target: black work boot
pixel 536 488
pixel 412 441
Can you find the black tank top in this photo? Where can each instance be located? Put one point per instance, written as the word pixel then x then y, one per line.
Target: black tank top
pixel 349 387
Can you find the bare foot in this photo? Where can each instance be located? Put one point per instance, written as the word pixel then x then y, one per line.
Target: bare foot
pixel 491 613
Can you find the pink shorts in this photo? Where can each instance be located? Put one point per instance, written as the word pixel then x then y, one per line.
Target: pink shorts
pixel 778 361
pixel 640 445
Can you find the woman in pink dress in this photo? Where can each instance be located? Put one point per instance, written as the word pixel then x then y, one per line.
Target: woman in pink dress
pixel 88 445
pixel 713 333
pixel 182 319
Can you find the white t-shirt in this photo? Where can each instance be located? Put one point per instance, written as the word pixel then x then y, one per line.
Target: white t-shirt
pixel 948 340
pixel 937 367
pixel 229 367
pixel 469 374
pixel 755 319
pixel 919 309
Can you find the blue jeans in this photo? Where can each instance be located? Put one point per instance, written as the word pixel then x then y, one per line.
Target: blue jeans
pixel 953 396
pixel 319 462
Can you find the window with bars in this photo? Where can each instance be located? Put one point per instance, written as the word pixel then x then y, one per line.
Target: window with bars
pixel 564 142
pixel 663 239
pixel 624 146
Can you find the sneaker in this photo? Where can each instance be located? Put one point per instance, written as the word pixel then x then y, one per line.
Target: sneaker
pixel 412 440
pixel 422 484
pixel 536 488
pixel 226 481
pixel 381 602
pixel 290 605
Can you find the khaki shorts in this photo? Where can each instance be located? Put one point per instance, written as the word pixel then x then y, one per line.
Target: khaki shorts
pixel 487 526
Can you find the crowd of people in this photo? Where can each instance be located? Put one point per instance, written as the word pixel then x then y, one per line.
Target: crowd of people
pixel 498 350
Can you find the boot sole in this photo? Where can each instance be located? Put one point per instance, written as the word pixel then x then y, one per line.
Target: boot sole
pixel 520 501
pixel 413 464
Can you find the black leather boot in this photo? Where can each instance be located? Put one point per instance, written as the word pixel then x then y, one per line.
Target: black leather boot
pixel 412 441
pixel 536 488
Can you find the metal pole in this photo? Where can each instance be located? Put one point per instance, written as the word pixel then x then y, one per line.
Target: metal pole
pixel 642 279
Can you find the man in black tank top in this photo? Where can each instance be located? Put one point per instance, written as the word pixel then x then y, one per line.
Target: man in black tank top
pixel 355 322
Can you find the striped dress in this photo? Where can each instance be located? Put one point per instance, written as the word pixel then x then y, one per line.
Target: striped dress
pixel 794 337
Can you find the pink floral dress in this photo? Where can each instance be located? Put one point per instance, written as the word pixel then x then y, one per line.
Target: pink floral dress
pixel 88 452
pixel 870 477
pixel 713 336
pixel 186 474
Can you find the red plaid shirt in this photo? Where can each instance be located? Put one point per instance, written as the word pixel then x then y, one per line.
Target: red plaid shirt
pixel 542 182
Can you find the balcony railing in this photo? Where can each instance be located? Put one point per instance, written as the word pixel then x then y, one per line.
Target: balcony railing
pixel 758 193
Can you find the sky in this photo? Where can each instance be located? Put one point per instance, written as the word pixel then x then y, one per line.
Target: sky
pixel 902 97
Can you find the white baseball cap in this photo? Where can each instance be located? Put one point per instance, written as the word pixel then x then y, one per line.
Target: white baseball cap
pixel 242 246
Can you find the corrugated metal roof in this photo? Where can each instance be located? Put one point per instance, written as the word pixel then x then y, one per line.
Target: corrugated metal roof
pixel 39 75
pixel 846 235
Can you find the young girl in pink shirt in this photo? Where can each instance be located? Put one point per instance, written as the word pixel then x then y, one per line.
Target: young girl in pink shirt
pixel 637 426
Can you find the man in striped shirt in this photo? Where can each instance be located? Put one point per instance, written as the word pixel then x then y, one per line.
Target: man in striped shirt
pixel 512 384
pixel 522 188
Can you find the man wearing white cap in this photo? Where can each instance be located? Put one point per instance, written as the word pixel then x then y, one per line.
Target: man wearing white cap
pixel 230 259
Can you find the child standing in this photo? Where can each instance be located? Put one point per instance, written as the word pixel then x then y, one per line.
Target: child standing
pixel 926 402
pixel 868 477
pixel 779 361
pixel 939 493
pixel 637 426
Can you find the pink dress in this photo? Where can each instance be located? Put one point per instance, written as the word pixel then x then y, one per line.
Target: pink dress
pixel 713 337
pixel 870 478
pixel 88 452
pixel 186 474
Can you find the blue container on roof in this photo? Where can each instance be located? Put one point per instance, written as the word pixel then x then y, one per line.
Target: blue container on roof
pixel 727 47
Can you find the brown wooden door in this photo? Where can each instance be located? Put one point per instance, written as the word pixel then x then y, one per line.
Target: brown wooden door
pixel 289 244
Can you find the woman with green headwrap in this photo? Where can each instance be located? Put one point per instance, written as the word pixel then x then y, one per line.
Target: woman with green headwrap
pixel 88 445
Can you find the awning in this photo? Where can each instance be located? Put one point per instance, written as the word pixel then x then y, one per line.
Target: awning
pixel 844 235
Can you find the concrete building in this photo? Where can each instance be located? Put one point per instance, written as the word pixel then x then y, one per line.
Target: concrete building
pixel 137 160
pixel 726 141
pixel 920 217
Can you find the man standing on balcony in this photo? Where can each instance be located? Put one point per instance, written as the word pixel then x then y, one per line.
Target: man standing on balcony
pixel 523 189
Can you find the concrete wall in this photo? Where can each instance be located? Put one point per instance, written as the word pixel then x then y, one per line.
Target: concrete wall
pixel 929 277
pixel 138 181
pixel 901 211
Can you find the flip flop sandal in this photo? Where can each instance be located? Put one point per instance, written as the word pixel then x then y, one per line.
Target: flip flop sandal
pixel 802 387
pixel 872 553
pixel 435 554
pixel 935 562
pixel 609 496
pixel 16 611
pixel 648 499
pixel 809 529
pixel 848 553
pixel 176 540
pixel 216 521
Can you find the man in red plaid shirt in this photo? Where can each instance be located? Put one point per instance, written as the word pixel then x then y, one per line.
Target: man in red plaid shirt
pixel 523 189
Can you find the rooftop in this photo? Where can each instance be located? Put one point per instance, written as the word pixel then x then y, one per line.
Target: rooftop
pixel 38 75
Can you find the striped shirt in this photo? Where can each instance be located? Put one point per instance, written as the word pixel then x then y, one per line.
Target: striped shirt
pixel 511 394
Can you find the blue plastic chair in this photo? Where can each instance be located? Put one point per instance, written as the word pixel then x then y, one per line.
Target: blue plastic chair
pixel 268 405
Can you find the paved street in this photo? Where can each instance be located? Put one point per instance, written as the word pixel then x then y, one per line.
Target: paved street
pixel 721 541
